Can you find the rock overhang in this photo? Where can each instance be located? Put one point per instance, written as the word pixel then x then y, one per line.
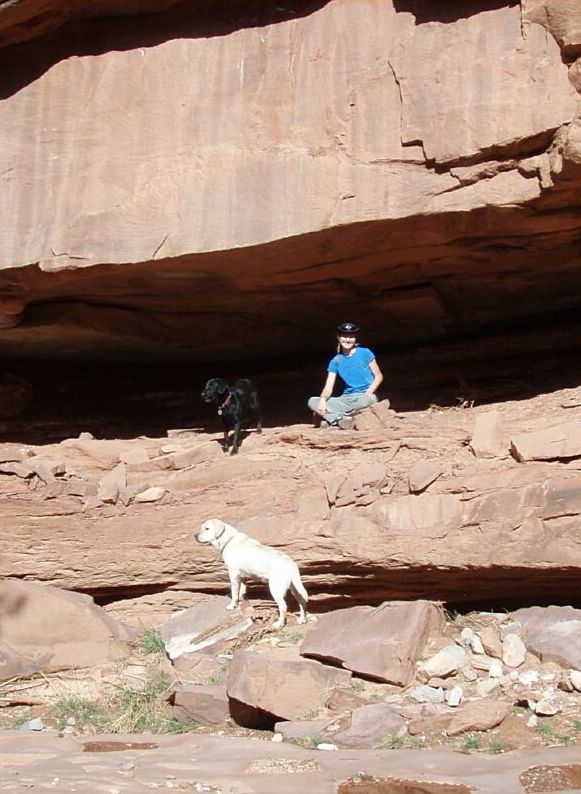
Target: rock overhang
pixel 295 188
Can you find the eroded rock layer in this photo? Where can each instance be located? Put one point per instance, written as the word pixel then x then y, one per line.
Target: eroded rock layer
pixel 247 174
pixel 472 505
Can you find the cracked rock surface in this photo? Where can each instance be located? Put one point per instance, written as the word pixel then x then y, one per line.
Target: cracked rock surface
pixel 195 172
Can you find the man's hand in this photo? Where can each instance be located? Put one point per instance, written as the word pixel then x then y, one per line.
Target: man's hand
pixel 322 407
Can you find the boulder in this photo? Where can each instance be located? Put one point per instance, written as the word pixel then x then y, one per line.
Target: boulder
pixel 371 726
pixel 205 625
pixel 112 483
pixel 344 700
pixel 562 441
pixel 153 494
pixel 444 663
pixel 488 440
pixel 292 730
pixel 491 642
pixel 381 643
pixel 91 453
pixel 348 488
pixel 263 689
pixel 200 668
pixel 552 633
pixel 206 704
pixel 375 418
pixel 477 715
pixel 513 650
pixel 22 470
pixel 56 629
pixel 423 474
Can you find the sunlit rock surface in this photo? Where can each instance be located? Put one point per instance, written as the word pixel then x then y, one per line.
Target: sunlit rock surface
pixel 247 174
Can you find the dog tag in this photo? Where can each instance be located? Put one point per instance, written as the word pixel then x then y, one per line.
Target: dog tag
pixel 219 412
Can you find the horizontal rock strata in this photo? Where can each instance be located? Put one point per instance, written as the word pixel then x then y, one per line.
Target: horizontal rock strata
pixel 162 176
pixel 488 531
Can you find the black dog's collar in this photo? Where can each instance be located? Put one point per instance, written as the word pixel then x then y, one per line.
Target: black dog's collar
pixel 225 403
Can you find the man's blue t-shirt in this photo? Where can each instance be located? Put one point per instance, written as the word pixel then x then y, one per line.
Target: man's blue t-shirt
pixel 354 369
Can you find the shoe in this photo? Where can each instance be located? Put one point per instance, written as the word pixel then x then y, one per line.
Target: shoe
pixel 346 423
pixel 324 424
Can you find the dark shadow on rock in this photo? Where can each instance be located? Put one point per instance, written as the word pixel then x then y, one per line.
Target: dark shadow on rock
pixel 24 62
pixel 127 400
pixel 250 717
pixel 444 11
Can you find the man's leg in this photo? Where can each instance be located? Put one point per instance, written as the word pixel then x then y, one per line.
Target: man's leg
pixel 347 405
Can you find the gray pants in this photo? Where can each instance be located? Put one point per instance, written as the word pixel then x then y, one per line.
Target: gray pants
pixel 345 405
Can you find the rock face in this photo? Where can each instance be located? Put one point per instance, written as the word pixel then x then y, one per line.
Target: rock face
pixel 412 162
pixel 487 531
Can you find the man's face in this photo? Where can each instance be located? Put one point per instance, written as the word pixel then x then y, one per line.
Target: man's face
pixel 347 341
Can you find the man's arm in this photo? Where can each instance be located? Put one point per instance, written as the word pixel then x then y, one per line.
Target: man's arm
pixel 326 393
pixel 377 378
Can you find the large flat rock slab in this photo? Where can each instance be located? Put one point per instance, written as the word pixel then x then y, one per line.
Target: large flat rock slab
pixel 136 763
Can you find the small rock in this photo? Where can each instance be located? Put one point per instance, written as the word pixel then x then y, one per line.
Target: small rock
pixel 35 724
pixel 495 670
pixel 481 663
pixel 469 674
pixel 547 708
pixel 528 677
pixel 564 682
pixel 423 474
pixel 476 645
pixel 92 502
pixel 445 662
pixel 575 679
pixel 532 721
pixel 427 694
pixel 490 639
pixel 455 696
pixel 477 715
pixel 488 439
pixel 127 766
pixel 513 650
pixel 150 494
pixel 326 746
pixel 277 737
pixel 485 687
pixel 466 635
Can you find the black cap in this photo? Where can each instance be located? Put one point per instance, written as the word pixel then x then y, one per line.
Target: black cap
pixel 347 328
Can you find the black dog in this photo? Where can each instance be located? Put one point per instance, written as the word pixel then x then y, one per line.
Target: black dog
pixel 233 403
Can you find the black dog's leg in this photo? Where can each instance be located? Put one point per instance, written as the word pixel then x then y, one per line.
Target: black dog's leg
pixel 255 403
pixel 236 439
pixel 225 443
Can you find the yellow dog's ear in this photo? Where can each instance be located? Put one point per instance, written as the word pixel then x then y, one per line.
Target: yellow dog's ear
pixel 218 526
